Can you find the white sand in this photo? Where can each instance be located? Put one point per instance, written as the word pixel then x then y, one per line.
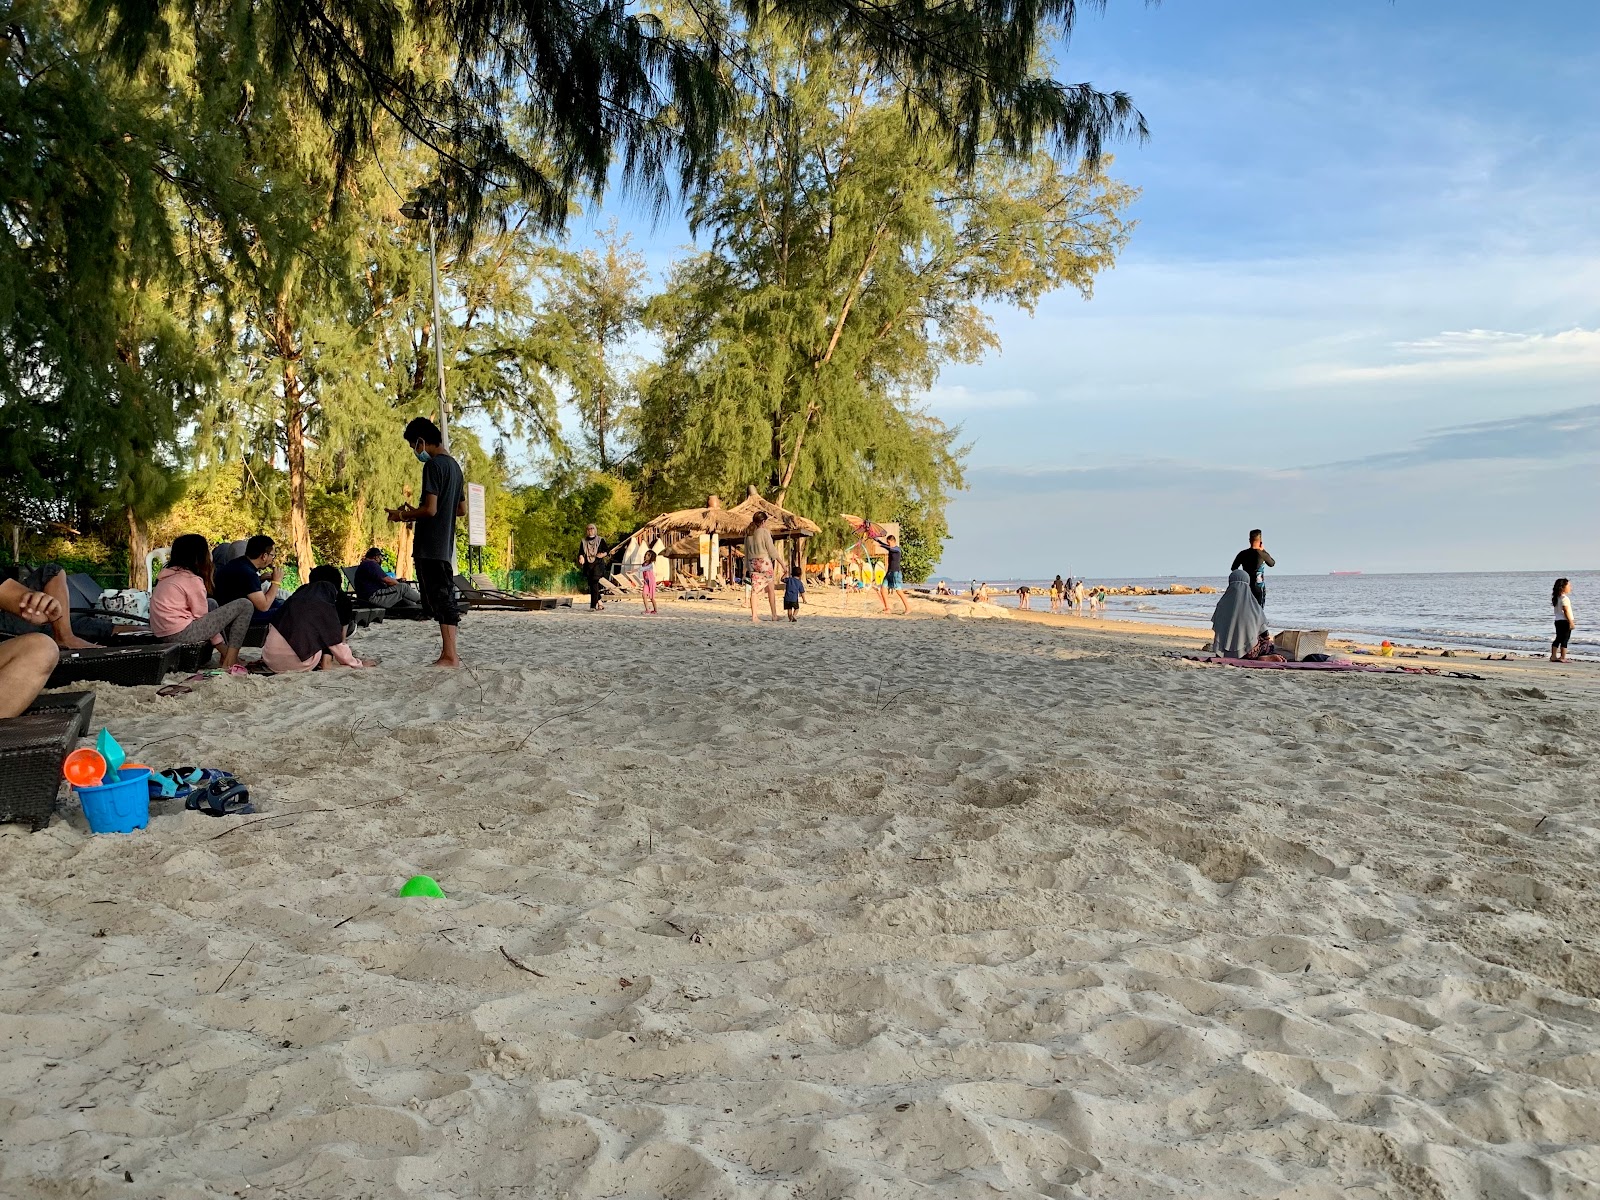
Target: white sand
pixel 932 908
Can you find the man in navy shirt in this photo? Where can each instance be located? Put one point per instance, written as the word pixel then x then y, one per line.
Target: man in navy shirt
pixel 240 579
pixel 377 587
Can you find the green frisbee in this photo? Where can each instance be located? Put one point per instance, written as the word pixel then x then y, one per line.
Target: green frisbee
pixel 422 885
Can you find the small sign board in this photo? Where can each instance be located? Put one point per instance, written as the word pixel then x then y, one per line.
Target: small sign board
pixel 477 522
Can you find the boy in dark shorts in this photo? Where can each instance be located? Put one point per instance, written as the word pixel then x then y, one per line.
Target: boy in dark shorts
pixel 794 590
pixel 894 579
pixel 444 498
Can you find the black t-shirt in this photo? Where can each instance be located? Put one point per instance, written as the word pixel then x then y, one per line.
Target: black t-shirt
pixel 436 535
pixel 894 559
pixel 370 577
pixel 1255 563
pixel 236 580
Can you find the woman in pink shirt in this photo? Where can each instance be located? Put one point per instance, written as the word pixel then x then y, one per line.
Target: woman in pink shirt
pixel 178 610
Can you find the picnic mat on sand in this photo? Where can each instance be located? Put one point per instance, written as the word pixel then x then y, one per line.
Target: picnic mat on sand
pixel 1212 660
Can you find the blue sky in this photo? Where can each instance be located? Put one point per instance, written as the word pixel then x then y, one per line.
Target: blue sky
pixel 1361 308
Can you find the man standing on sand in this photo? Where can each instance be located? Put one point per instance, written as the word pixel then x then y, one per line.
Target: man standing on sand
pixel 433 548
pixel 1254 561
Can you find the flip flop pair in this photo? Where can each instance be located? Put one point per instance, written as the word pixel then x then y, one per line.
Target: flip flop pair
pixel 175 783
pixel 225 797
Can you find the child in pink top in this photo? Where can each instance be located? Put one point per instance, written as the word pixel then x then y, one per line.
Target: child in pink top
pixel 648 578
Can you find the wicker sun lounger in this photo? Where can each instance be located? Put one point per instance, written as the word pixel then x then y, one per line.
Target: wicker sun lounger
pixel 492 598
pixel 125 666
pixel 32 749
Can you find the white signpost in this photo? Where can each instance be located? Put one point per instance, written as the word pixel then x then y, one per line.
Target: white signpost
pixel 477 523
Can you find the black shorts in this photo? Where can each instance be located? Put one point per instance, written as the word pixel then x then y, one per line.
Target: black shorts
pixel 795 607
pixel 1563 635
pixel 437 584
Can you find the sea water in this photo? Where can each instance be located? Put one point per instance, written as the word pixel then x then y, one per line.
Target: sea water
pixel 1490 611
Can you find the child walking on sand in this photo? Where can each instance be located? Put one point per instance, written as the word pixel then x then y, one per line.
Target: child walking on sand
pixel 794 590
pixel 647 578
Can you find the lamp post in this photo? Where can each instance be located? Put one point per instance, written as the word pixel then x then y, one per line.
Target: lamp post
pixel 424 206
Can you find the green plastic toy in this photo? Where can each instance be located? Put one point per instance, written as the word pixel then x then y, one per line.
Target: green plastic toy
pixel 422 885
pixel 112 752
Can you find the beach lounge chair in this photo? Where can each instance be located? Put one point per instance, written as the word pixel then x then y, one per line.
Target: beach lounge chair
pixel 124 666
pixel 494 598
pixel 32 749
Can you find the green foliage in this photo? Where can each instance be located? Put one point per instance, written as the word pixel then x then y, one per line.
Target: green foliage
pixel 852 257
pixel 610 84
pixel 214 317
pixel 553 517
pixel 329 517
pixel 922 541
pixel 99 365
pixel 596 307
pixel 216 504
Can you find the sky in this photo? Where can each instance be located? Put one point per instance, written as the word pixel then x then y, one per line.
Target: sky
pixel 1361 307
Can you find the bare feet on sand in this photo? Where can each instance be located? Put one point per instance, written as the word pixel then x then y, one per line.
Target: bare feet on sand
pixel 451 662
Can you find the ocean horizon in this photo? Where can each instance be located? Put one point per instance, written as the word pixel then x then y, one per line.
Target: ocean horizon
pixel 1492 611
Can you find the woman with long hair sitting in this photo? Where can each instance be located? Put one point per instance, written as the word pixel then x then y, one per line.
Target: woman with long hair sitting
pixel 178 609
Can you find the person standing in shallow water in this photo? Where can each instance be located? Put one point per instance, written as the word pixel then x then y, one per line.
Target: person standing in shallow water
pixel 1561 604
pixel 1254 560
pixel 433 548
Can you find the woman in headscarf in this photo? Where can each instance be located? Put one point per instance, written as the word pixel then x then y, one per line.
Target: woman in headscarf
pixel 1238 620
pixel 307 634
pixel 761 561
pixel 592 553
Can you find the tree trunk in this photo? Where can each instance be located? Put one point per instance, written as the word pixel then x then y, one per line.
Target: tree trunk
pixel 402 550
pixel 794 458
pixel 827 357
pixel 294 427
pixel 138 550
pixel 294 437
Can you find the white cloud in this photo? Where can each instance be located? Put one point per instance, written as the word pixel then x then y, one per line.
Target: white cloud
pixel 1483 353
pixel 957 398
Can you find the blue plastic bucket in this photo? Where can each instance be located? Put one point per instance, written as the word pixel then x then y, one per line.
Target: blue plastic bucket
pixel 118 807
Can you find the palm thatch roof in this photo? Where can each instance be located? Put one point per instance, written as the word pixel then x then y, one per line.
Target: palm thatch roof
pixel 686 548
pixel 783 523
pixel 711 519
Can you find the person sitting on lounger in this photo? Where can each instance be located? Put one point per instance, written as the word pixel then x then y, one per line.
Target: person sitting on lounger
pixel 178 611
pixel 69 631
pixel 27 659
pixel 376 587
pixel 241 579
pixel 306 633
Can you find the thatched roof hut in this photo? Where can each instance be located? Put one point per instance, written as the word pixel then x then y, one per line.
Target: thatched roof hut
pixel 686 548
pixel 782 522
pixel 711 519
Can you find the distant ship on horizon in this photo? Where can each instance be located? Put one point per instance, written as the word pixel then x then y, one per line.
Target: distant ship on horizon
pixel 1344 572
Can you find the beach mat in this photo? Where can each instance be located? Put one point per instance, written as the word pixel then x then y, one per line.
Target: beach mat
pixel 1212 660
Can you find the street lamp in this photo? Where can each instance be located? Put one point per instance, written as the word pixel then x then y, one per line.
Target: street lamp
pixel 426 206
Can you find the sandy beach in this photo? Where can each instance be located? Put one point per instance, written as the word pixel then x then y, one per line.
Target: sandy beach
pixel 951 906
